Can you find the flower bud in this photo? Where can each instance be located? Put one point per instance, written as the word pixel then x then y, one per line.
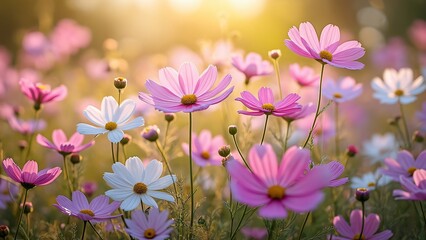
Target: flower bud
pixel 418 137
pixel 76 158
pixel 151 133
pixel 362 194
pixel 28 207
pixel 169 117
pixel 232 129
pixel 394 121
pixel 120 83
pixel 275 54
pixel 201 221
pixel 126 139
pixel 22 144
pixel 351 151
pixel 4 231
pixel 89 188
pixel 224 151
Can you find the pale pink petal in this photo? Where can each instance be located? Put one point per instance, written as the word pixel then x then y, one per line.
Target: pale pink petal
pixel 273 210
pixel 188 77
pixel 293 164
pixel 263 162
pixel 356 220
pixel 371 225
pixel 12 170
pixel 304 203
pixel 207 79
pixel 29 171
pixel 45 142
pixel 307 32
pixel 342 227
pixel 329 35
pixel 169 78
pixel 59 137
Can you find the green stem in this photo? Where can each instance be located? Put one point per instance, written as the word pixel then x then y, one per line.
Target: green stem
pixel 112 153
pixel 362 223
pixel 277 72
pixel 84 230
pixel 30 141
pixel 336 115
pixel 239 223
pixel 287 135
pixel 264 129
pixel 124 152
pixel 161 150
pixel 66 175
pixel 94 229
pixel 423 212
pixel 303 226
pixel 28 224
pixel 166 134
pixel 20 215
pixel 190 175
pixel 117 151
pixel 404 122
pixel 271 230
pixel 239 152
pixel 317 113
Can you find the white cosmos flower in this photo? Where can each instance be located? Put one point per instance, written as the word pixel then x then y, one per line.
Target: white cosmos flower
pixel 380 147
pixel 111 118
pixel 133 183
pixel 397 86
pixel 370 180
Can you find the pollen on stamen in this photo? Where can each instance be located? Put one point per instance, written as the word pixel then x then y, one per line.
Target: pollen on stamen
pixel 399 93
pixel 88 212
pixel 110 126
pixel 337 95
pixel 411 170
pixel 269 107
pixel 205 155
pixel 371 184
pixel 326 55
pixel 140 188
pixel 276 192
pixel 189 99
pixel 149 233
pixel 357 236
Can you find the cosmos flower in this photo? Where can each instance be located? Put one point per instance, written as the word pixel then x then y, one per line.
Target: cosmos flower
pixel 253 65
pixel 42 93
pixel 26 127
pixel 111 118
pixel 327 50
pixel 353 231
pixel 254 232
pixel 305 111
pixel 421 116
pixel 8 193
pixel 204 148
pixel 370 180
pixel 186 90
pixel 336 169
pixel 98 210
pixel 415 187
pixel 29 177
pixel 304 76
pixel 278 187
pixel 133 183
pixel 417 34
pixel 62 145
pixel 380 147
pixel 267 105
pixel 397 86
pixel 68 37
pixel 344 90
pixel 156 225
pixel 404 165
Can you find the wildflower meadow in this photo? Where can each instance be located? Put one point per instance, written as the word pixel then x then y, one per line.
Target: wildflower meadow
pixel 191 119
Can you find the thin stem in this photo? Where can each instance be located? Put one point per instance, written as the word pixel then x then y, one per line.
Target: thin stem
pixel 20 215
pixel 336 116
pixel 117 151
pixel 190 175
pixel 30 141
pixel 264 129
pixel 28 224
pixel 66 175
pixel 161 150
pixel 166 133
pixel 119 96
pixel 362 223
pixel 112 153
pixel 239 151
pixel 277 73
pixel 94 229
pixel 239 222
pixel 318 107
pixel 271 230
pixel 84 230
pixel 404 122
pixel 287 135
pixel 124 152
pixel 303 226
pixel 423 212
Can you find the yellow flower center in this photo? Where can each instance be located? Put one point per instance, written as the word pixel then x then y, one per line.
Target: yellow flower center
pixel 88 212
pixel 337 95
pixel 268 107
pixel 43 87
pixel 324 54
pixel 140 188
pixel 411 170
pixel 357 237
pixel 110 126
pixel 276 192
pixel 371 184
pixel 399 93
pixel 149 233
pixel 205 155
pixel 189 99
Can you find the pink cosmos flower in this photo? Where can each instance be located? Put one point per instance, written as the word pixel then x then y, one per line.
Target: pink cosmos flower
pixel 404 165
pixel 186 90
pixel 254 232
pixel 305 111
pixel 62 145
pixel 353 231
pixel 327 50
pixel 276 188
pixel 253 65
pixel 415 187
pixel 26 127
pixel 304 76
pixel 8 193
pixel 204 149
pixel 417 33
pixel 35 43
pixel 98 210
pixel 155 225
pixel 421 116
pixel 29 176
pixel 393 55
pixel 267 105
pixel 218 53
pixel 336 169
pixel 68 37
pixel 89 187
pixel 344 90
pixel 42 93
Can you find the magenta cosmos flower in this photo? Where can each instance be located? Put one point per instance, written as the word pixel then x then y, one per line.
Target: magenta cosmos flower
pixel 328 50
pixel 404 165
pixel 344 90
pixel 276 188
pixel 415 187
pixel 305 111
pixel 42 93
pixel 186 90
pixel 353 231
pixel 336 169
pixel 304 76
pixel 204 148
pixel 62 145
pixel 29 177
pixel 267 104
pixel 421 116
pixel 253 65
pixel 155 225
pixel 98 210
pixel 26 127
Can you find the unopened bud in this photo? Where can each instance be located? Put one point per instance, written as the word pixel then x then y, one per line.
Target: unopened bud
pixel 224 151
pixel 4 231
pixel 89 188
pixel 232 129
pixel 418 137
pixel 76 158
pixel 169 117
pixel 120 83
pixel 126 139
pixel 151 133
pixel 362 194
pixel 394 121
pixel 351 151
pixel 28 207
pixel 275 54
pixel 201 221
pixel 22 144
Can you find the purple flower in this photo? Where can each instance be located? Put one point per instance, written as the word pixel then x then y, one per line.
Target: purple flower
pixel 404 165
pixel 155 225
pixel 344 90
pixel 253 65
pixel 42 93
pixel 336 169
pixel 204 149
pixel 415 187
pixel 254 232
pixel 267 105
pixel 26 127
pixel 421 116
pixel 305 111
pixel 62 145
pixel 98 210
pixel 8 193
